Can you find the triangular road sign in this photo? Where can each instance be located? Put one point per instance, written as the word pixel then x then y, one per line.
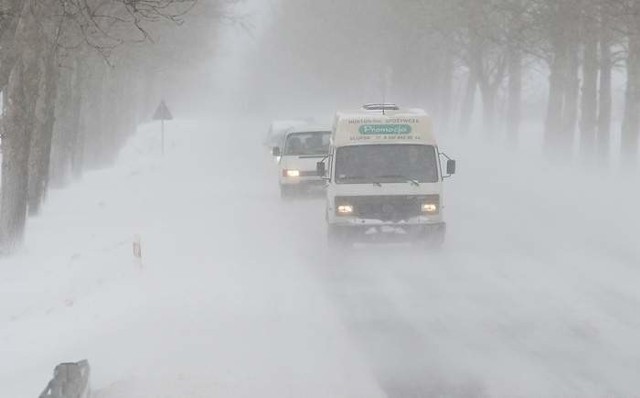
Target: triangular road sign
pixel 162 113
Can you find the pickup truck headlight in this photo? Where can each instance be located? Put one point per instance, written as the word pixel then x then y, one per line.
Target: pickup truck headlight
pixel 291 173
pixel 344 210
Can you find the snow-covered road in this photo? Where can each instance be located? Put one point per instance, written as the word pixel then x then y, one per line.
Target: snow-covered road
pixel 535 294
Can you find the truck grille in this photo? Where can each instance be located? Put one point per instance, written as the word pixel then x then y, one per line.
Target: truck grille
pixel 387 208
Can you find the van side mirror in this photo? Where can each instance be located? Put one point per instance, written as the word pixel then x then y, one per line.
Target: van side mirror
pixel 321 169
pixel 451 167
pixel 275 151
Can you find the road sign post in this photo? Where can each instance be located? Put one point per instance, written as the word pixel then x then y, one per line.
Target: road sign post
pixel 162 123
pixel 163 114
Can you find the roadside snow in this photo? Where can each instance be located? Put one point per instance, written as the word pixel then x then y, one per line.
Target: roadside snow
pixel 220 305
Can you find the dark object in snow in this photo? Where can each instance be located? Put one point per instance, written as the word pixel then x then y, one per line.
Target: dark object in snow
pixel 137 247
pixel 70 380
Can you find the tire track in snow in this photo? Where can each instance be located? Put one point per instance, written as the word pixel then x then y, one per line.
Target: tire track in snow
pixel 364 288
pixel 399 351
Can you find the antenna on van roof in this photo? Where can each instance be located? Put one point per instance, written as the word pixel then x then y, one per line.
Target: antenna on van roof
pixel 384 95
pixel 388 76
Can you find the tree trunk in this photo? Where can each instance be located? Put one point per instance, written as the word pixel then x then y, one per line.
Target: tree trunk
pixel 589 105
pixel 572 96
pixel 488 94
pixel 15 158
pixel 555 104
pixel 446 90
pixel 631 121
pixel 468 102
pixel 77 125
pixel 59 154
pixel 22 92
pixel 9 49
pixel 100 118
pixel 564 85
pixel 603 139
pixel 66 161
pixel 40 154
pixel 514 105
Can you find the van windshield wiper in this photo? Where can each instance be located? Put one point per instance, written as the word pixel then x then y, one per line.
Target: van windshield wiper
pixel 401 177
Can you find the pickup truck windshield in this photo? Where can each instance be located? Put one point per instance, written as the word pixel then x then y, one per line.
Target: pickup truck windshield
pixel 386 164
pixel 307 144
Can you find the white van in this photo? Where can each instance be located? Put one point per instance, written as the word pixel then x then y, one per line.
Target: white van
pixel 385 180
pixel 302 148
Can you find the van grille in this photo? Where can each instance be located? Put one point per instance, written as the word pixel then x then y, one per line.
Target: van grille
pixel 387 208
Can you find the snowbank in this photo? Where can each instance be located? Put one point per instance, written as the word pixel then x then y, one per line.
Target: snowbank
pixel 220 305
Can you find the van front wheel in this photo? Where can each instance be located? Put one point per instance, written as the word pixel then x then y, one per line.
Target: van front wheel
pixel 338 238
pixel 433 239
pixel 286 192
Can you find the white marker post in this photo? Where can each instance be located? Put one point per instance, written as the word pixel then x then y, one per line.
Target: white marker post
pixel 162 113
pixel 137 250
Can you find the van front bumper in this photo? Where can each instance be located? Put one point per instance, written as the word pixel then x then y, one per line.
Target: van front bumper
pixel 350 221
pixel 390 232
pixel 303 182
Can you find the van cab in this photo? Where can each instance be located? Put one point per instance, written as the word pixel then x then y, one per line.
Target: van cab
pixel 302 148
pixel 385 178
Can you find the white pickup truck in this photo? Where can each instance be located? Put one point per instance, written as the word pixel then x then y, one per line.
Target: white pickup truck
pixel 385 179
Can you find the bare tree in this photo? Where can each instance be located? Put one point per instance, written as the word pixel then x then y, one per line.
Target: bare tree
pixel 65 96
pixel 18 125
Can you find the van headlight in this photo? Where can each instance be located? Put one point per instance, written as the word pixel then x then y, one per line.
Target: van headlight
pixel 430 208
pixel 292 173
pixel 345 210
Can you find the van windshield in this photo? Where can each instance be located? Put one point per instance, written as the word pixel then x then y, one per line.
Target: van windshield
pixel 386 164
pixel 307 144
